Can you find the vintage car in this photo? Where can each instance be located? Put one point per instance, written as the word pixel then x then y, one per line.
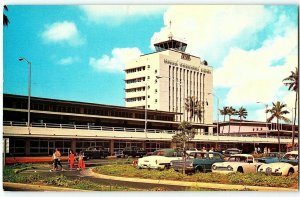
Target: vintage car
pixel 198 162
pixel 230 151
pixel 191 150
pixel 160 159
pixel 119 153
pixel 243 163
pixel 286 166
pixel 96 152
pixel 271 157
pixel 134 151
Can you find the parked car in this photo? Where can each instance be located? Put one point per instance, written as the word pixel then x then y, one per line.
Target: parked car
pixel 96 153
pixel 271 157
pixel 286 166
pixel 160 159
pixel 200 162
pixel 134 151
pixel 243 163
pixel 231 151
pixel 119 153
pixel 191 150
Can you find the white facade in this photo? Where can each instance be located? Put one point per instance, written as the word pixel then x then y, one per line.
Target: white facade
pixel 180 76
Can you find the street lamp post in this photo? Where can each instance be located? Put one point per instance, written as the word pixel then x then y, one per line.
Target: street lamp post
pixel 146 99
pixel 218 111
pixel 266 105
pixel 29 90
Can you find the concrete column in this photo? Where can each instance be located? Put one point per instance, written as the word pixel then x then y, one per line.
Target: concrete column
pixel 112 147
pixel 73 144
pixel 144 145
pixel 27 147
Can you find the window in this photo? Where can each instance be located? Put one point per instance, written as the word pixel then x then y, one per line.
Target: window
pixel 148 66
pixel 148 77
pixel 148 96
pixel 155 100
pixel 155 71
pixel 155 90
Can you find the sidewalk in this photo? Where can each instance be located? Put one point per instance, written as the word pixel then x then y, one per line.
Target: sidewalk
pixel 30 187
pixel 191 184
pixel 13 160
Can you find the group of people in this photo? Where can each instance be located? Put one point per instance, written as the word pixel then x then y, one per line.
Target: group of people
pixel 72 158
pixel 257 150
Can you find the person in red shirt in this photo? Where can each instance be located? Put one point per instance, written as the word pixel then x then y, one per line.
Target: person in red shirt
pixel 71 159
pixel 81 164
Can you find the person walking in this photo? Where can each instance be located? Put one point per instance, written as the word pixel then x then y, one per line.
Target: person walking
pixel 81 164
pixel 54 164
pixel 71 159
pixel 57 159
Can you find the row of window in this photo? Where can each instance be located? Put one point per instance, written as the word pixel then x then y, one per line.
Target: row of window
pixel 135 89
pixel 141 98
pixel 129 81
pixel 133 70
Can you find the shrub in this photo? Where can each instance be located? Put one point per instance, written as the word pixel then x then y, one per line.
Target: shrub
pixel 259 179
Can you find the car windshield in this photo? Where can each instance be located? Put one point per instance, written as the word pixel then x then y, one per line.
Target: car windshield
pixel 290 156
pixel 237 158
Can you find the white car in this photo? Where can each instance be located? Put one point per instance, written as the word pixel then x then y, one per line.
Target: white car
pixel 286 166
pixel 243 163
pixel 192 150
pixel 160 159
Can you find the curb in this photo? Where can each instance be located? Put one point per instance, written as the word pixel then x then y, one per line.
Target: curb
pixel 191 184
pixel 31 187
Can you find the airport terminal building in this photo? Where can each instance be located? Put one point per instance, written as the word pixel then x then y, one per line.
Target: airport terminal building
pixel 156 87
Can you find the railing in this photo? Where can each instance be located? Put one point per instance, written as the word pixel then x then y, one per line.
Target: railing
pixel 122 129
pixel 86 127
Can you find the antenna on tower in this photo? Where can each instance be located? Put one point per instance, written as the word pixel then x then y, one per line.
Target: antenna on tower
pixel 170 34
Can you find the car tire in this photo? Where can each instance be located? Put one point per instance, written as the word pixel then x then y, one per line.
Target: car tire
pixel 198 169
pixel 240 169
pixel 291 172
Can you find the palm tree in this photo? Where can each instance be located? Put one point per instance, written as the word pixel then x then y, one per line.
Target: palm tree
pixel 278 112
pixel 5 18
pixel 224 112
pixel 186 134
pixel 241 113
pixel 193 106
pixel 292 82
pixel 231 112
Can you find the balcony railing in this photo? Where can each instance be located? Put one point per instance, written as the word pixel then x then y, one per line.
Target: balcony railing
pixel 122 129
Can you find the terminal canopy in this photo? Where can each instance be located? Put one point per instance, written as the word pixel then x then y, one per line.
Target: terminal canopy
pixel 170 44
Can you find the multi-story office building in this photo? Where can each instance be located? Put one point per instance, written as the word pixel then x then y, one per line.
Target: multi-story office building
pixel 168 77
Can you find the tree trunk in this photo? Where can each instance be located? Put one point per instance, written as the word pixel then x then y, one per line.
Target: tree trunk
pixel 278 136
pixel 229 125
pixel 223 125
pixel 184 158
pixel 240 125
pixel 294 121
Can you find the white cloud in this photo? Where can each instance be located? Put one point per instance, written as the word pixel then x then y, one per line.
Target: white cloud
pixel 116 14
pixel 62 32
pixel 115 63
pixel 250 74
pixel 210 29
pixel 68 60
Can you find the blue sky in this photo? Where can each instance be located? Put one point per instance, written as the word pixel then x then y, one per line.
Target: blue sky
pixel 78 52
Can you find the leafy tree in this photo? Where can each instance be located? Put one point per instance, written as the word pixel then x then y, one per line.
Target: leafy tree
pixel 5 18
pixel 242 113
pixel 183 137
pixel 292 82
pixel 278 112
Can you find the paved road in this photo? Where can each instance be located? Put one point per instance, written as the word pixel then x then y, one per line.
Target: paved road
pixel 74 174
